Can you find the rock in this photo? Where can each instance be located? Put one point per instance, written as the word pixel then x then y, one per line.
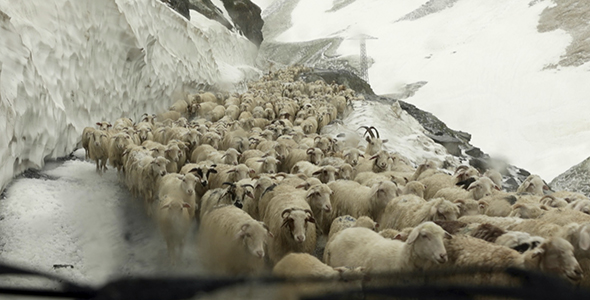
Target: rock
pixel 342 77
pixel 246 16
pixel 575 179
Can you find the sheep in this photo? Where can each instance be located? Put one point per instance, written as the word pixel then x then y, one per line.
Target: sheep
pixel 352 155
pixel 288 217
pixel 374 142
pixel 86 136
pixel 495 176
pixel 569 196
pixel 533 184
pixel 180 106
pixel 264 165
pixel 345 172
pixel 232 243
pixel 414 188
pixel 325 174
pixel 409 211
pixel 552 201
pixel 174 222
pixel 180 187
pixel 351 198
pixel 202 171
pixel 478 189
pixel 145 173
pixel 553 255
pixel 580 205
pixel 379 162
pixel 296 155
pixel 348 221
pixel 305 266
pixel 169 115
pixel 201 153
pixel 362 247
pixel 527 210
pixel 119 143
pixel 227 173
pixel 98 147
pixel 216 113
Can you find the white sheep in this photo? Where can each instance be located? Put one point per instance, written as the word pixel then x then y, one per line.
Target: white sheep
pixel 308 267
pixel 348 221
pixel 231 242
pixel 362 247
pixel 118 145
pixel 533 184
pixel 351 198
pixel 174 221
pixel 289 221
pixel 228 173
pixel 98 149
pixel 180 187
pixel 374 142
pixel 409 211
pixel 267 165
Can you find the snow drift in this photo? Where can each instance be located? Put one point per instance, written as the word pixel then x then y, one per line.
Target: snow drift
pixel 65 64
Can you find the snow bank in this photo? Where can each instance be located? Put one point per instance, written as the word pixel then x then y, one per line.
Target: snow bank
pixel 65 64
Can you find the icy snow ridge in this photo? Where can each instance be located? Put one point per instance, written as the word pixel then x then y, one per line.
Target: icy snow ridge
pixel 67 63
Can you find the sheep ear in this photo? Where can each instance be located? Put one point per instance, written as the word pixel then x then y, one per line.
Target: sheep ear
pixel 368 139
pixel 585 238
pixel 385 140
pixel 186 205
pixel 413 236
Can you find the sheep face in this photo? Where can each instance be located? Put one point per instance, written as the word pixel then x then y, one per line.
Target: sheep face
pixel 319 197
pixel 382 162
pixel 519 241
pixel 481 188
pixel 534 185
pixel 315 155
pixel 443 210
pixel 212 138
pixel 254 236
pixel 158 166
pixel 231 157
pixel 269 165
pixel 240 172
pixel 296 220
pixel 427 242
pixel 383 192
pixel 188 183
pixel 121 140
pixel 261 185
pixel 352 156
pixel 556 255
pixel 345 172
pixel 173 153
pixel 326 174
pixel 324 143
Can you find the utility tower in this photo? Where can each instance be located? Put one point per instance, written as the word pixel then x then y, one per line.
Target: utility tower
pixel 364 68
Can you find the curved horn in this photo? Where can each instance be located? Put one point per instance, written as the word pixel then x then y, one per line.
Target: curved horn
pixel 367 130
pixel 376 132
pixel 229 183
pixel 309 212
pixel 286 212
pixel 248 185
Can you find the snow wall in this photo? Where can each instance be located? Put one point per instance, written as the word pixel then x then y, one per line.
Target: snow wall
pixel 65 64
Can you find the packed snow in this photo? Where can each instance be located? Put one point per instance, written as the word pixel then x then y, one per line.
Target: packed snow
pixel 489 70
pixel 60 60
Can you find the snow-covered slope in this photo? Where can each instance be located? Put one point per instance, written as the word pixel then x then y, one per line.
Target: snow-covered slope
pixel 65 64
pixel 514 74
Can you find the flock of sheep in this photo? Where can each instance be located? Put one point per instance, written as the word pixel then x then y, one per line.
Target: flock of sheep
pixel 270 192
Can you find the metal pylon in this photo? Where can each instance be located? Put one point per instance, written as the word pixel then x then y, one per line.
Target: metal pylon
pixel 364 65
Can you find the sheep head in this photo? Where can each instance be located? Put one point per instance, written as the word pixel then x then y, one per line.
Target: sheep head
pixel 296 220
pixel 579 236
pixel 382 161
pixel 315 155
pixel 374 142
pixel 555 255
pixel 318 197
pixel 382 192
pixel 443 210
pixel 254 235
pixel 189 181
pixel 552 201
pixel 482 187
pixel 158 166
pixel 426 240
